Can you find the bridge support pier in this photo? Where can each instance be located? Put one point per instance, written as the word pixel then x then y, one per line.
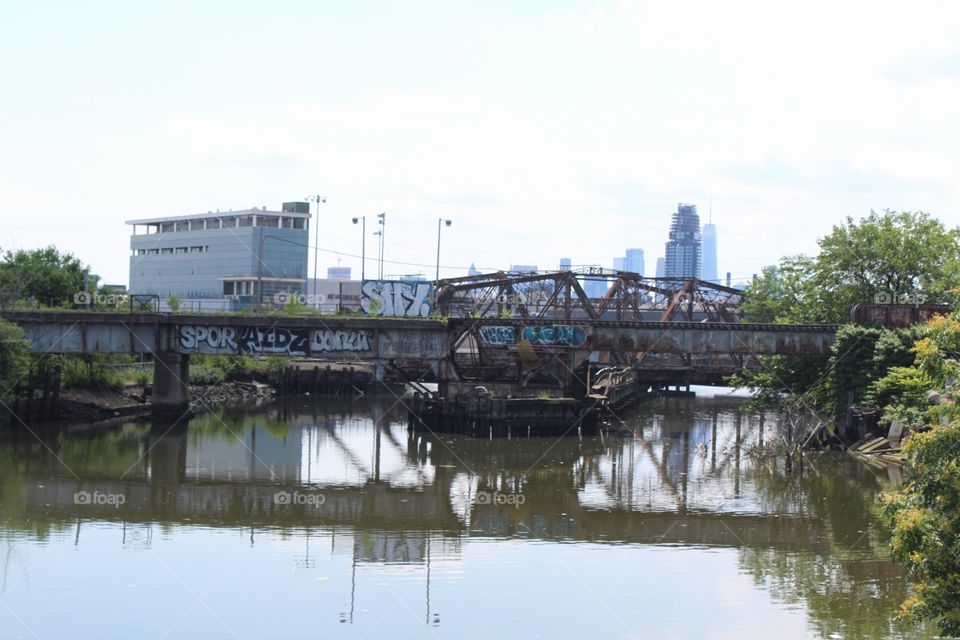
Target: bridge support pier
pixel 171 383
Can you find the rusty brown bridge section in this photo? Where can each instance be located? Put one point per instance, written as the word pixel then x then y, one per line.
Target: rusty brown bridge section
pixel 457 353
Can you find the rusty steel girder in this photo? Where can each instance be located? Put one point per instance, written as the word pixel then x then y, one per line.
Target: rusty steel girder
pixel 560 296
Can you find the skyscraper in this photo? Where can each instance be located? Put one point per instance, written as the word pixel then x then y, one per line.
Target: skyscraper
pixel 710 253
pixel 661 267
pixel 634 261
pixel 683 257
pixel 619 264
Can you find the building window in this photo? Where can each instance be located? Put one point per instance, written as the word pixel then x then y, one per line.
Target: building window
pixel 166 251
pixel 197 225
pixel 166 227
pixel 268 221
pixel 245 221
pixel 229 223
pixel 180 250
pixel 228 288
pixel 183 226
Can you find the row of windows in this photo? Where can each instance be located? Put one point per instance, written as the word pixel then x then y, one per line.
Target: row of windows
pixel 171 250
pixel 232 222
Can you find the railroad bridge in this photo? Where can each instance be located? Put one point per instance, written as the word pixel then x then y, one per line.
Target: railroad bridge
pixel 507 356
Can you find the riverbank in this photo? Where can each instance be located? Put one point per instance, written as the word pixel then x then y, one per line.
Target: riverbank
pixel 93 405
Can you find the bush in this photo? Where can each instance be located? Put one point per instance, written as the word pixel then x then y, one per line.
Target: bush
pixel 925 516
pixel 14 357
pixel 95 371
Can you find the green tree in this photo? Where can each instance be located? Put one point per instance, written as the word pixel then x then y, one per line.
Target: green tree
pixel 926 527
pixel 40 276
pixel 894 252
pixel 782 293
pixel 14 358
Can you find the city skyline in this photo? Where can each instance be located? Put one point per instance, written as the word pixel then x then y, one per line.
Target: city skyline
pixel 113 122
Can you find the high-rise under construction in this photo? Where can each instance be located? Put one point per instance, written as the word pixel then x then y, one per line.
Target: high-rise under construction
pixel 683 255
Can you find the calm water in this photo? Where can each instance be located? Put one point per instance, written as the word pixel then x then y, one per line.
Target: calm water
pixel 297 520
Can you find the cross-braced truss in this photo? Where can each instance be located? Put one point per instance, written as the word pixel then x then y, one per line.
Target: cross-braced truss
pixel 562 296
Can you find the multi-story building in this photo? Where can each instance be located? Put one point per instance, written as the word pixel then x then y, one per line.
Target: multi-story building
pixel 661 267
pixel 633 261
pixel 683 249
pixel 226 258
pixel 619 263
pixel 710 273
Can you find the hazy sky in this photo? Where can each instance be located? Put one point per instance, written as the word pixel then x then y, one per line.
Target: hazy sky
pixel 543 129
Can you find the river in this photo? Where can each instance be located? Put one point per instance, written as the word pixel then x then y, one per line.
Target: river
pixel 323 519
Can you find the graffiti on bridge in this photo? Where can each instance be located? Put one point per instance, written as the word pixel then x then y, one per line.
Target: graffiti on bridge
pixel 397 298
pixel 498 334
pixel 334 340
pixel 557 335
pixel 272 341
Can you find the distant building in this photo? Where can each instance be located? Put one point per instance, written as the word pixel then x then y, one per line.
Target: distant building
pixel 619 264
pixel 595 288
pixel 683 249
pixel 633 261
pixel 565 264
pixel 338 273
pixel 332 295
pixel 523 268
pixel 661 267
pixel 220 257
pixel 710 273
pixel 473 271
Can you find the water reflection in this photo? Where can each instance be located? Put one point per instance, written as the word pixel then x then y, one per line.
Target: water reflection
pixel 373 517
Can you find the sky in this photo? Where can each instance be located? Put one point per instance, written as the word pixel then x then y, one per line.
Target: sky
pixel 541 129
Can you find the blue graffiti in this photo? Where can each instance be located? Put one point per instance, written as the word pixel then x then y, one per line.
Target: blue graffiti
pixel 498 334
pixel 557 335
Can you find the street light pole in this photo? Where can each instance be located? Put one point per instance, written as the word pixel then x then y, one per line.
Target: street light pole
pixel 316 242
pixel 440 222
pixel 363 247
pixel 382 221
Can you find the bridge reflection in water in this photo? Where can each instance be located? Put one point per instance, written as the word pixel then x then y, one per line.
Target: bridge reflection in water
pixel 351 478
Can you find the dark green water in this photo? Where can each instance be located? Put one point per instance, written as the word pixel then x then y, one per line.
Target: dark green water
pixel 297 520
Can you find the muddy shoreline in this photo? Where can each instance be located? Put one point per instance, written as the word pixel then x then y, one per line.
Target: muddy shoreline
pixel 89 405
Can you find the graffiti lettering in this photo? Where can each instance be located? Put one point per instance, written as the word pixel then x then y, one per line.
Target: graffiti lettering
pixel 201 338
pixel 330 340
pixel 396 298
pixel 556 335
pixel 498 334
pixel 246 340
pixel 292 342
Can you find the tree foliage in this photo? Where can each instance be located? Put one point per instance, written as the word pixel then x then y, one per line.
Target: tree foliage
pixel 926 527
pixel 14 358
pixel 43 277
pixel 893 252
